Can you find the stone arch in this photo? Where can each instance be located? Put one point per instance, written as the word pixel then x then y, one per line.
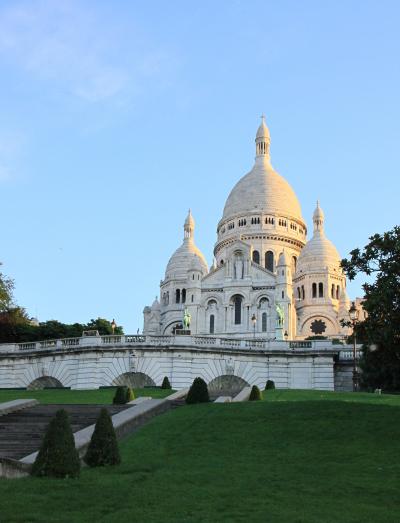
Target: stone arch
pixel 226 385
pixel 45 382
pixel 169 329
pixel 135 380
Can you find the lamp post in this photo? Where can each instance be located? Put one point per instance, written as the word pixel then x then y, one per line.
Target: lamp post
pixel 286 335
pixel 113 326
pixel 353 313
pixel 254 320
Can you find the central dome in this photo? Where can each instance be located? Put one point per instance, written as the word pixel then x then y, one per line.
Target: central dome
pixel 262 189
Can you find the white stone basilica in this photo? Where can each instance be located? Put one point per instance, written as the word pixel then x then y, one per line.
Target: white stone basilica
pixel 267 280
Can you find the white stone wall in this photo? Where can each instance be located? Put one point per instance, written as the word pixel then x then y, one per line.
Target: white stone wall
pixel 92 368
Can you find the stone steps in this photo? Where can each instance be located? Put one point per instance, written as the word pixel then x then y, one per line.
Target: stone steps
pixel 21 432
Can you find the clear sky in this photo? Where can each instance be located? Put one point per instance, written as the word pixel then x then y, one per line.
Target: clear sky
pixel 116 117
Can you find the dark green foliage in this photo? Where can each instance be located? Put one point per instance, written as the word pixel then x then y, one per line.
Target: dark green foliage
pixel 255 394
pixel 15 327
pixel 380 331
pixel 57 456
pixel 103 447
pixel 130 395
pixel 166 384
pixel 6 292
pixel 198 392
pixel 120 397
pixel 270 385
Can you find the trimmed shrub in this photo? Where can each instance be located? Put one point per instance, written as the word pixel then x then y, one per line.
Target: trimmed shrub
pixel 130 395
pixel 255 394
pixel 58 456
pixel 103 447
pixel 166 384
pixel 198 392
pixel 120 396
pixel 270 385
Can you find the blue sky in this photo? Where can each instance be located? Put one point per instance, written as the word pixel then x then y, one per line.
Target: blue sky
pixel 116 117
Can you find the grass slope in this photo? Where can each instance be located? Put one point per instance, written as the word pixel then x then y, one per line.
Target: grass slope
pixel 296 457
pixel 104 396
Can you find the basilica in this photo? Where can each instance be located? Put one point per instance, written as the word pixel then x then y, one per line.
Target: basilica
pixel 267 280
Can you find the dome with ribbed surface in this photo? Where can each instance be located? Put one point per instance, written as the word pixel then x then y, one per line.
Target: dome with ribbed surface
pixel 262 189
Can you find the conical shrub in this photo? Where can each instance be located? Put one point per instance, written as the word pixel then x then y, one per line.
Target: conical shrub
pixel 255 394
pixel 198 392
pixel 270 385
pixel 130 395
pixel 103 447
pixel 166 384
pixel 120 396
pixel 58 456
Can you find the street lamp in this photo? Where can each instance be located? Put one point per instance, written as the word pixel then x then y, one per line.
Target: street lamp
pixel 353 313
pixel 254 320
pixel 113 325
pixel 286 335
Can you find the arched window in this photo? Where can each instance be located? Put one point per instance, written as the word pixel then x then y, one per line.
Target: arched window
pixel 269 261
pixel 237 300
pixel 256 257
pixel 212 323
pixel 314 290
pixel 333 290
pixel 299 293
pixel 177 296
pixel 320 290
pixel 283 294
pixel 192 298
pixel 337 292
pixel 294 264
pixel 183 295
pixel 264 322
pixel 303 294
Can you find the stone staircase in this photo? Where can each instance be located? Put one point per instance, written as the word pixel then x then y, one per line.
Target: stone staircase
pixel 21 432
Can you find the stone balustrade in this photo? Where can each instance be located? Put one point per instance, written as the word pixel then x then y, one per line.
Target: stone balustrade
pixel 184 341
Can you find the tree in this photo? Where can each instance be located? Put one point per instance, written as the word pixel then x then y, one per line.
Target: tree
pixel 198 392
pixel 103 326
pixel 120 397
pixel 58 456
pixel 380 258
pixel 270 385
pixel 130 395
pixel 103 446
pixel 165 383
pixel 6 292
pixel 255 394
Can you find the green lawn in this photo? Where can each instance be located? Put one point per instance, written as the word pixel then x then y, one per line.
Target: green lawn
pixel 104 396
pixel 298 457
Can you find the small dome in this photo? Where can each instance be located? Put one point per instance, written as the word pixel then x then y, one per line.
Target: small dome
pixel 187 256
pixel 318 213
pixel 283 259
pixel 263 131
pixel 189 222
pixel 156 304
pixel 319 252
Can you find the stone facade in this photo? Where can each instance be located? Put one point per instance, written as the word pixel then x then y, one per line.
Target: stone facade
pixel 266 279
